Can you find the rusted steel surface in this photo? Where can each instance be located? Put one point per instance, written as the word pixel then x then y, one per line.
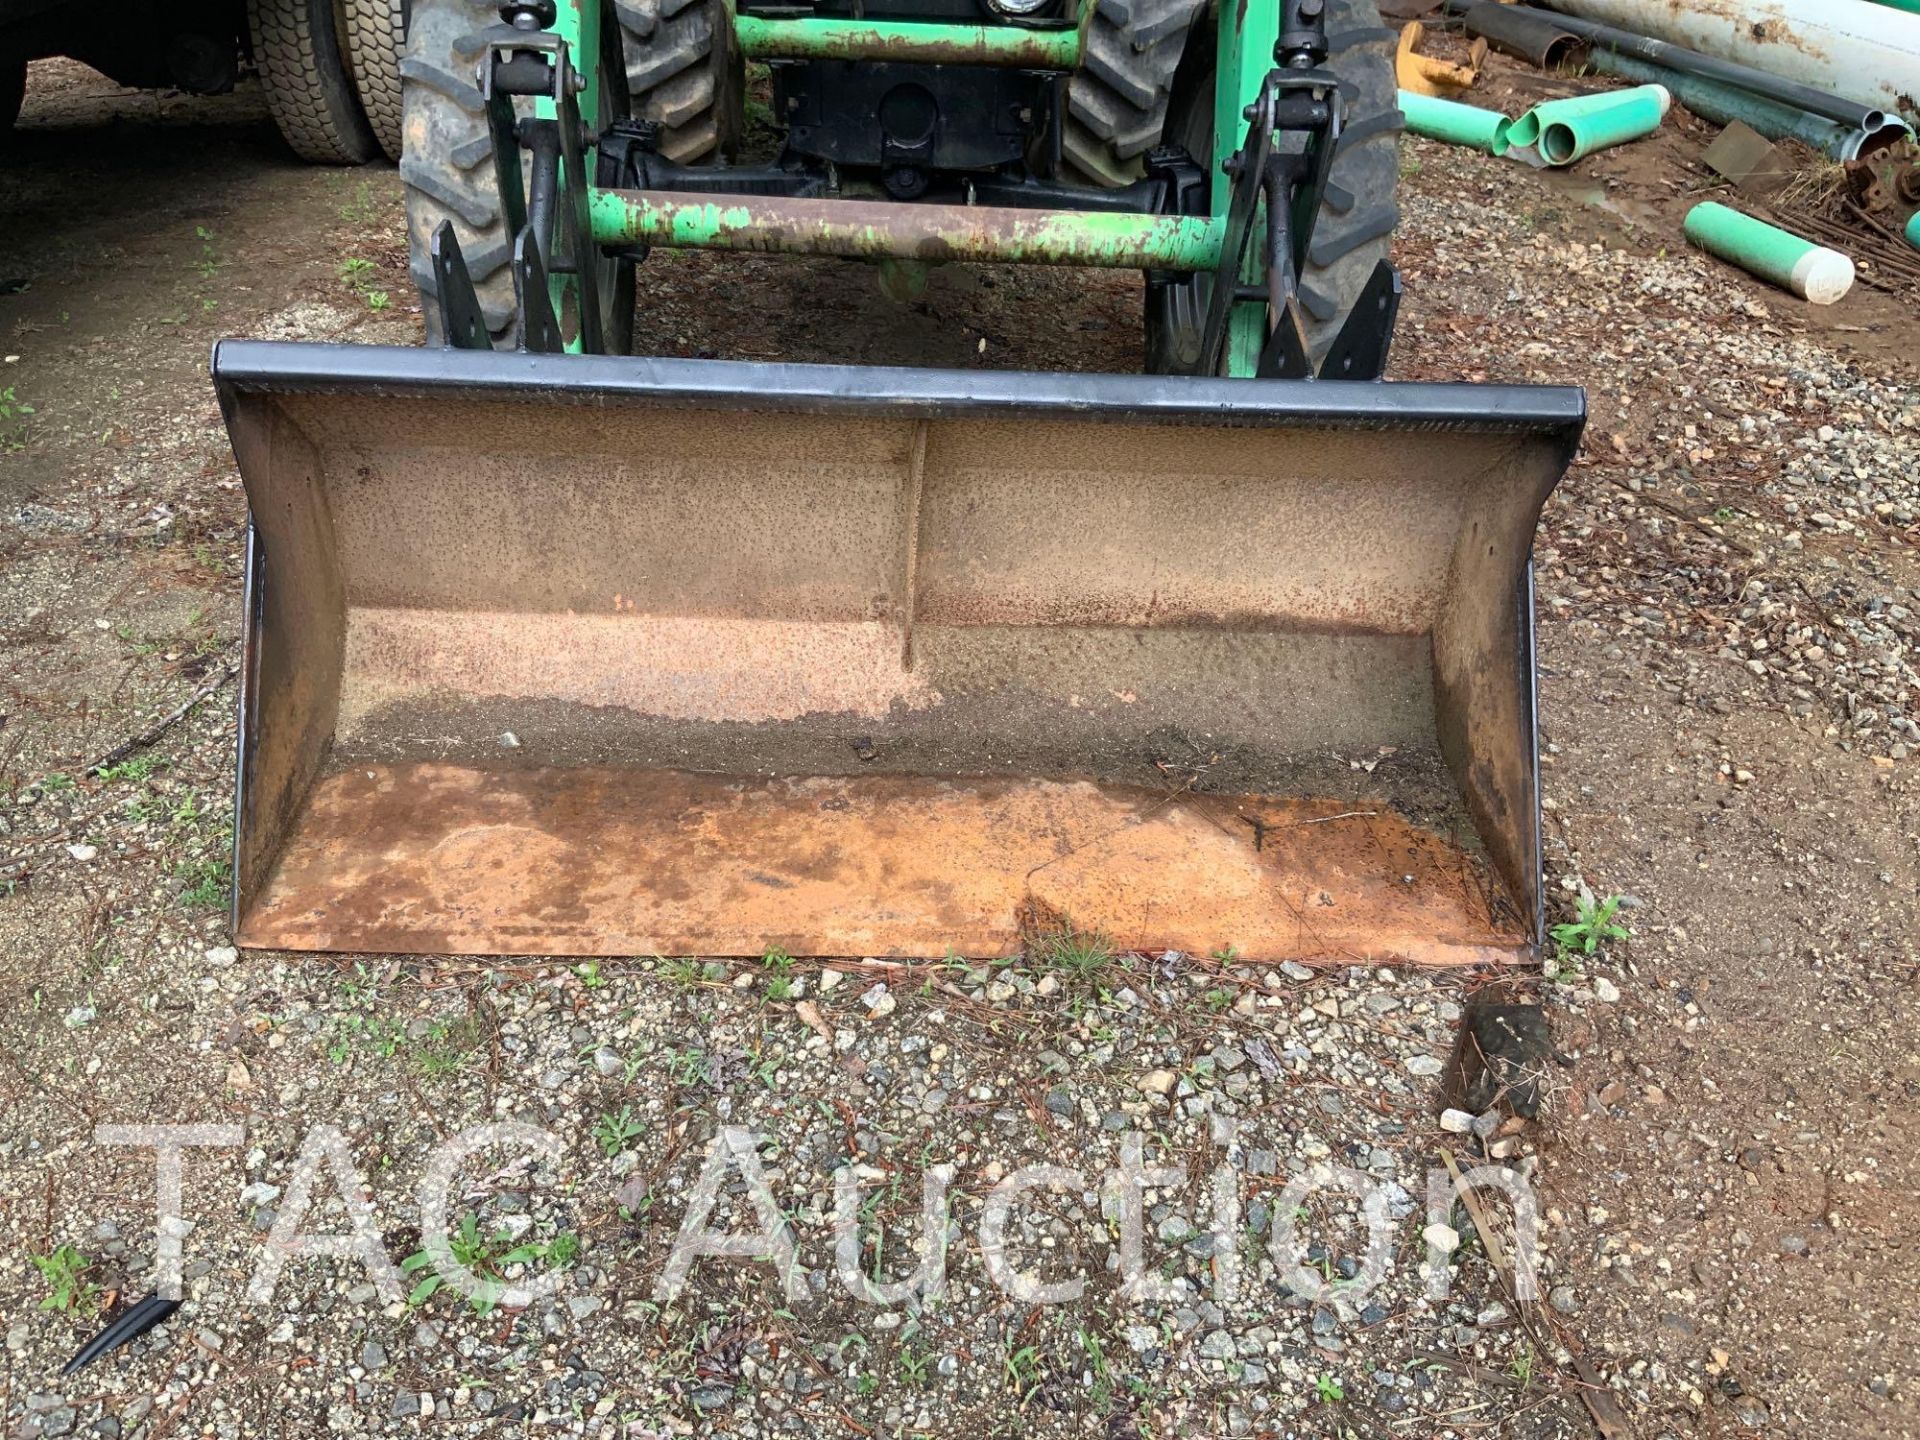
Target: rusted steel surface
pixel 432 858
pixel 877 229
pixel 945 631
pixel 1534 35
pixel 290 679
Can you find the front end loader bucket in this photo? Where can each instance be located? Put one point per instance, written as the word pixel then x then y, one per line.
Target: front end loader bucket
pixel 572 655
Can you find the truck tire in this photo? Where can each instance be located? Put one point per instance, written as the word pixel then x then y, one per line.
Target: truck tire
pixel 296 45
pixel 684 71
pixel 446 165
pixel 376 34
pixel 1117 101
pixel 1357 217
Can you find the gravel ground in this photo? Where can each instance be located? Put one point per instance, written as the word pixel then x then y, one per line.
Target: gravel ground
pixel 1725 1161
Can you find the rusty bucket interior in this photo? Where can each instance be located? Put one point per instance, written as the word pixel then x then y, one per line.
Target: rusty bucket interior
pixel 554 655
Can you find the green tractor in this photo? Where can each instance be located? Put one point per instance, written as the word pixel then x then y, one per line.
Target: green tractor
pixel 1110 110
pixel 555 648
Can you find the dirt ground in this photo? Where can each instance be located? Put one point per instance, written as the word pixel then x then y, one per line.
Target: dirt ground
pixel 1728 594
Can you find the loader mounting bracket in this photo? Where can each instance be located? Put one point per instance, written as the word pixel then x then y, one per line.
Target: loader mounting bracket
pixel 524 57
pixel 1286 183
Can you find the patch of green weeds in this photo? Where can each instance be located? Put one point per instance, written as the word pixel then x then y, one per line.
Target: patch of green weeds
pixel 13 421
pixel 1592 927
pixel 614 1130
pixel 65 1273
pixel 1074 954
pixel 487 1257
pixel 359 274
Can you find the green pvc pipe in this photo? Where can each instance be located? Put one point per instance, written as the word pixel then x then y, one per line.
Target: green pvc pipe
pixel 879 230
pixel 1567 136
pixel 1913 230
pixel 1451 121
pixel 908 42
pixel 1813 272
pixel 1559 132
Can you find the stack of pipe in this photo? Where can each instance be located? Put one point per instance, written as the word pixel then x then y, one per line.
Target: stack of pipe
pixel 1866 53
pixel 1559 132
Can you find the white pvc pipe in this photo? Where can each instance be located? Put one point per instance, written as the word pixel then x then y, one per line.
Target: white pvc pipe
pixel 1865 52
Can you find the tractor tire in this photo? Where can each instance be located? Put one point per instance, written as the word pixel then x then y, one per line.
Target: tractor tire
pixel 296 45
pixel 446 165
pixel 1117 101
pixel 13 91
pixel 1357 216
pixel 376 35
pixel 678 75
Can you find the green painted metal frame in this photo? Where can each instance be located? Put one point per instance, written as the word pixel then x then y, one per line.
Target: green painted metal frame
pixel 922 42
pixel 1245 39
pixel 877 230
pixel 1243 60
pixel 577 22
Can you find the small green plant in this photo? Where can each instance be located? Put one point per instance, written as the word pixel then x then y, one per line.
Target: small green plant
pixel 56 784
pixel 1096 1355
pixel 1023 1369
pixel 1219 999
pixel 137 768
pixel 488 1258
pixel 357 274
pixel 361 208
pixel 613 1131
pixel 64 1271
pixel 1593 925
pixel 1522 1367
pixel 588 974
pixel 203 882
pixel 913 1365
pixel 1329 1390
pixel 447 1047
pixel 13 429
pixel 209 264
pixel 688 1067
pixel 683 972
pixel 375 1032
pixel 1078 954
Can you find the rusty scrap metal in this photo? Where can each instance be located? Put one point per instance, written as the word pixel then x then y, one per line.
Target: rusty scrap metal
pixel 1748 159
pixel 1532 35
